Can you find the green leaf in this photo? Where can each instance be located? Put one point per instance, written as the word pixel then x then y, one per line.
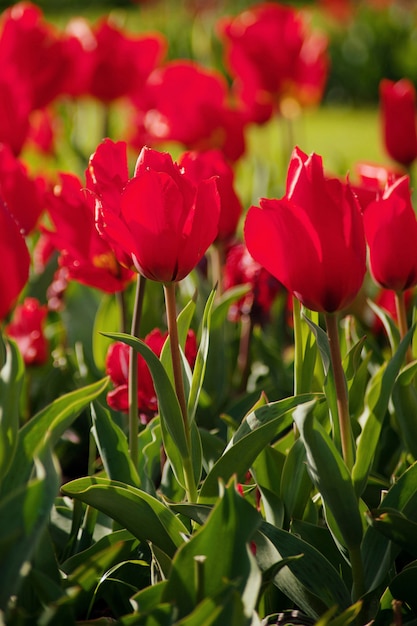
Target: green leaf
pixel 113 447
pixel 295 481
pixel 140 513
pixel 11 385
pixel 169 407
pixel 403 586
pixel 107 320
pixel 201 360
pixel 44 429
pixel 390 326
pixel 202 564
pixel 396 527
pixel 376 404
pixel 310 581
pixel 330 475
pixel 183 324
pixel 404 397
pixel 256 431
pixel 378 552
pixel 24 513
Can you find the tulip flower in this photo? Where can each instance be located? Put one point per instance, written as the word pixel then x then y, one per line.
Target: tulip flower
pixel 186 103
pixel 165 223
pixel 15 261
pixel 312 240
pixel 271 55
pixel 26 328
pixel 391 231
pixel 398 112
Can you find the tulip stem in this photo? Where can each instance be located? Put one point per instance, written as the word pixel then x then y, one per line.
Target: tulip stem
pixel 133 372
pixel 341 390
pixel 298 345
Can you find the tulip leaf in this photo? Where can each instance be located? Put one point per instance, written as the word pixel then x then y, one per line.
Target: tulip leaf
pixel 378 552
pixel 295 481
pixel 140 513
pixel 108 320
pixel 113 447
pixel 310 581
pixel 11 384
pixel 376 404
pixel 330 475
pixel 24 514
pixel 390 326
pixel 168 404
pixel 201 360
pixel 404 397
pixel 45 428
pixel 396 527
pixel 256 431
pixel 403 586
pixel 183 323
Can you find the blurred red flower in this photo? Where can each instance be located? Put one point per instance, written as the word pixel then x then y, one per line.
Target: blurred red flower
pixel 372 179
pixel 88 258
pixel 15 261
pixel 112 63
pixel 398 113
pixel 313 239
pixel 117 367
pixel 391 231
pixel 165 221
pixel 240 269
pixel 22 194
pixel 26 328
pixel 272 55
pixel 202 165
pixel 189 104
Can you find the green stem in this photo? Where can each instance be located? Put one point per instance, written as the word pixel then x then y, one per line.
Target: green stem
pixel 402 319
pixel 298 345
pixel 170 304
pixel 243 359
pixel 358 589
pixel 133 372
pixel 341 390
pixel 216 257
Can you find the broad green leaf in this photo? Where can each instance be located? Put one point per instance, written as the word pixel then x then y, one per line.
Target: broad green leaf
pixel 202 564
pixel 107 320
pixel 403 586
pixel 113 447
pixel 24 514
pixel 140 513
pixel 376 403
pixel 267 471
pixel 224 608
pixel 177 459
pixel 396 527
pixel 353 359
pixel 256 431
pixel 330 475
pixel 201 360
pixel 378 552
pixel 149 462
pixel 11 385
pixel 310 581
pixel 45 428
pixel 295 482
pixel 347 617
pixel 390 326
pixel 404 397
pixel 169 407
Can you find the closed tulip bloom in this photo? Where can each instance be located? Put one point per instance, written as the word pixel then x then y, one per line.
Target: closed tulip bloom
pixel 391 232
pixel 165 222
pixel 398 110
pixel 313 239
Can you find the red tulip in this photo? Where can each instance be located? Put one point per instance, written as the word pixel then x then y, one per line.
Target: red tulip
pixel 186 103
pixel 26 328
pixel 312 240
pixel 15 261
pixel 117 367
pixel 165 222
pixel 372 179
pixel 201 165
pixel 398 111
pixel 391 232
pixel 88 258
pixel 271 55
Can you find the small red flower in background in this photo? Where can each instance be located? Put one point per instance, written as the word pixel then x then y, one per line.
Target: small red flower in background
pixel 372 180
pixel 117 367
pixel 391 231
pixel 398 113
pixel 15 261
pixel 202 165
pixel 271 55
pixel 165 222
pixel 241 268
pixel 385 299
pixel 22 194
pixel 26 328
pixel 189 104
pixel 313 239
pixel 113 64
pixel 88 258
